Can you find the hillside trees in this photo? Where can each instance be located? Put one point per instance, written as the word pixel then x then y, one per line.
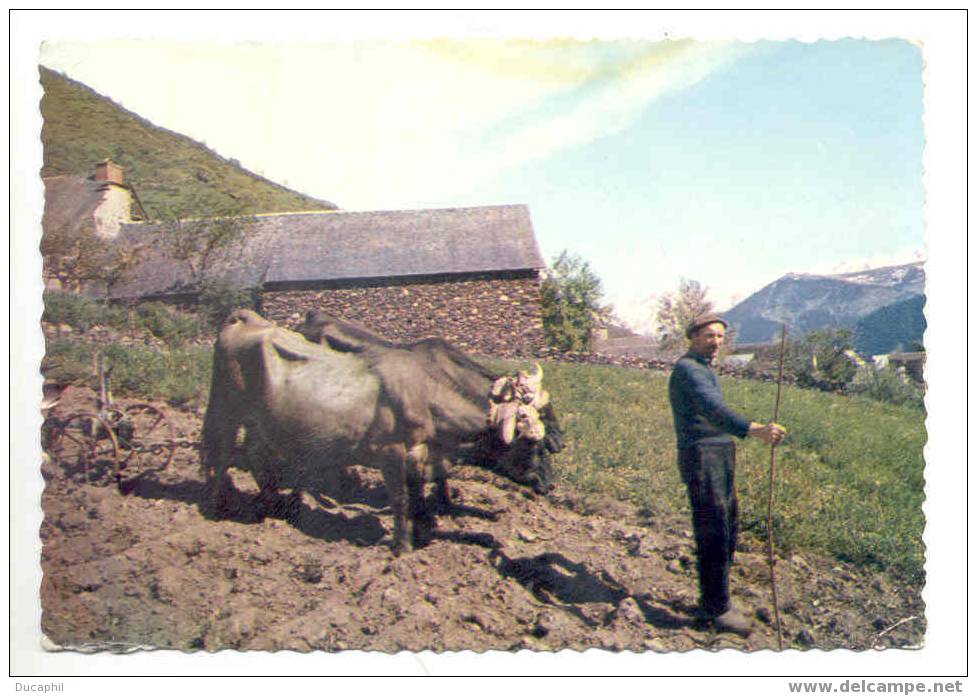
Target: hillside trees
pixel 895 327
pixel 572 305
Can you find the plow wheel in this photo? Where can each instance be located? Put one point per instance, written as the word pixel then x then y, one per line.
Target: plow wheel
pixel 146 439
pixel 84 442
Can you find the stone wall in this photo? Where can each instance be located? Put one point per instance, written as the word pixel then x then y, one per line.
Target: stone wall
pixel 756 371
pixel 489 316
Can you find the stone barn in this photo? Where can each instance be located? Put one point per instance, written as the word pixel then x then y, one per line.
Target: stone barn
pixel 470 275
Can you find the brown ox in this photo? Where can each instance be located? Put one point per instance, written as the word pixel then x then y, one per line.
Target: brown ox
pixel 527 460
pixel 313 406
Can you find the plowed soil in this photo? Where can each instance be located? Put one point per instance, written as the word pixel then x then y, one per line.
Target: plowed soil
pixel 506 570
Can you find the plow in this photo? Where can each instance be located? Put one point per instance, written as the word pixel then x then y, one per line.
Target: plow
pixel 114 442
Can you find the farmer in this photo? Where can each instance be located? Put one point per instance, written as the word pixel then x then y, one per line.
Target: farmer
pixel 707 458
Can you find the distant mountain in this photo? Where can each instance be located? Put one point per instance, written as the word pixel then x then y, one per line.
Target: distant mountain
pixel 897 327
pixel 168 171
pixel 810 302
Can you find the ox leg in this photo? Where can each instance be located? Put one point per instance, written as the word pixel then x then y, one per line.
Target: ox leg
pixel 217 447
pixel 439 474
pixel 420 518
pixel 394 469
pixel 264 468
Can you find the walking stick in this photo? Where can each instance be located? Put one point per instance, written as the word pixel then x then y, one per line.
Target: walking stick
pixel 773 459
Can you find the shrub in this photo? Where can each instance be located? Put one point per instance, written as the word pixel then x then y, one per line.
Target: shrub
pixel 178 376
pixel 819 359
pixel 79 312
pixel 887 384
pixel 168 324
pixel 218 298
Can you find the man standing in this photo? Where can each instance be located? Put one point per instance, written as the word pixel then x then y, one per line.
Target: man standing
pixel 707 460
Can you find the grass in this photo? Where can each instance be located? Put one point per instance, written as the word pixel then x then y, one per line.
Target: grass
pixel 166 323
pixel 849 475
pixel 176 375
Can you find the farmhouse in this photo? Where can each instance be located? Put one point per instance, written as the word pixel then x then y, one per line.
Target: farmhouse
pixel 76 207
pixel 912 363
pixel 470 275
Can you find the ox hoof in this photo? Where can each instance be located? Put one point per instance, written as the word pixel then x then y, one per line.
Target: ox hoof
pixel 215 506
pixel 423 532
pixel 442 506
pixel 400 548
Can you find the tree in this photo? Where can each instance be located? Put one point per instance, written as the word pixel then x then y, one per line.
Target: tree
pixel 823 359
pixel 199 241
pixel 571 295
pixel 71 254
pixel 118 262
pixel 77 257
pixel 676 310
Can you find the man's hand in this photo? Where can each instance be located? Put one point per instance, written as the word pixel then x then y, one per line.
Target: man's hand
pixel 771 433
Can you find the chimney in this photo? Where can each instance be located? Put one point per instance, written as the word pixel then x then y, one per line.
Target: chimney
pixel 109 172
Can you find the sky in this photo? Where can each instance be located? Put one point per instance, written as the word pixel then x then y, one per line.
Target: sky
pixel 727 162
pixel 730 163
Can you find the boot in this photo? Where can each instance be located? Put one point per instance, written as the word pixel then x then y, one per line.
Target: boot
pixel 732 621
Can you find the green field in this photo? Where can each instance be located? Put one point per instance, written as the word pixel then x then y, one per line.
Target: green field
pixel 850 474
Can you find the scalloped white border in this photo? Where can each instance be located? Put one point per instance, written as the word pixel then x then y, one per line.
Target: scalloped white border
pixel 942 37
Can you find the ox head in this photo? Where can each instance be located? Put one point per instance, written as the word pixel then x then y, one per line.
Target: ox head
pixel 527 462
pixel 523 433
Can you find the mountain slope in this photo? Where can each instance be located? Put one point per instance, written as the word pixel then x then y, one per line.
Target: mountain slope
pixel 169 171
pixel 894 327
pixel 809 302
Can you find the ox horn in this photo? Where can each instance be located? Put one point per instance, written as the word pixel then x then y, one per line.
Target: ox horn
pixel 539 372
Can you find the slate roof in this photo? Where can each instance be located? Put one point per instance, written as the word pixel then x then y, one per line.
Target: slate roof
pixel 70 201
pixel 313 247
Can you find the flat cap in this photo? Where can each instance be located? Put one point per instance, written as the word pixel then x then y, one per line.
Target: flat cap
pixel 704 320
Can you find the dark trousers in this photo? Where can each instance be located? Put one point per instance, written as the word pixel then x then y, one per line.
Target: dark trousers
pixel 708 472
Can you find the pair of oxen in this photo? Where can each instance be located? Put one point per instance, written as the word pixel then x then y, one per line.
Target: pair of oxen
pixel 336 394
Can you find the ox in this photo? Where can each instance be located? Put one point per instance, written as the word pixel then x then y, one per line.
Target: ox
pixel 312 405
pixel 526 460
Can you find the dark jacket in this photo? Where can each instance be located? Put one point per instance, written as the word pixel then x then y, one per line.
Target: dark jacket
pixel 701 416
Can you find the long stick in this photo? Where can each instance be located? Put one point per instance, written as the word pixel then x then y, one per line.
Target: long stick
pixel 773 459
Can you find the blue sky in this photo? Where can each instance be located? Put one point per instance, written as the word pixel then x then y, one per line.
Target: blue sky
pixel 728 162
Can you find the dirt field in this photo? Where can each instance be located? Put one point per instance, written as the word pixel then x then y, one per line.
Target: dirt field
pixel 507 570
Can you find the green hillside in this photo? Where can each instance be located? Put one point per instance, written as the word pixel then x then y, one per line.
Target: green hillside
pixel 898 326
pixel 170 172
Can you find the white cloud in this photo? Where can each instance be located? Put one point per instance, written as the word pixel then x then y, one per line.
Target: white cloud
pixel 623 91
pixel 898 258
pixel 381 124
